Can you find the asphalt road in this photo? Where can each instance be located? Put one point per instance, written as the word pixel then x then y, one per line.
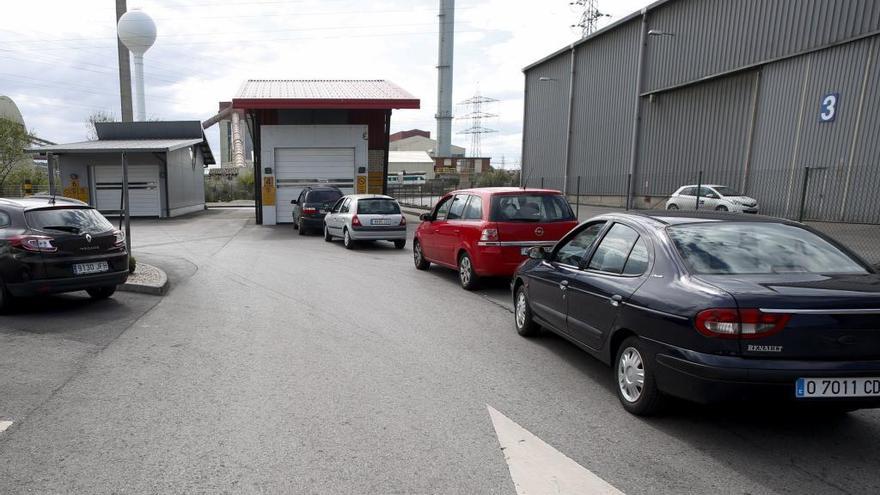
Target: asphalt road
pixel 283 364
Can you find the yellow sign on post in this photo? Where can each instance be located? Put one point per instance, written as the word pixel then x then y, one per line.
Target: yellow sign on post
pixel 361 184
pixel 268 191
pixel 76 191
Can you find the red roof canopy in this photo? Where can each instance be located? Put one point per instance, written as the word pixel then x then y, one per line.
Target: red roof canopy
pixel 322 94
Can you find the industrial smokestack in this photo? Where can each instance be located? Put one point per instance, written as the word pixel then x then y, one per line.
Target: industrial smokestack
pixel 444 78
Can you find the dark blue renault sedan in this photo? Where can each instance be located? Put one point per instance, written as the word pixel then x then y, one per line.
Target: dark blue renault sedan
pixel 711 307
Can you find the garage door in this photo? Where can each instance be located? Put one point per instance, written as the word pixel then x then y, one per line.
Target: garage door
pixel 143 189
pixel 297 168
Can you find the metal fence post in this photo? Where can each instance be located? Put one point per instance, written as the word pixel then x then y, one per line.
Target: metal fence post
pixel 542 183
pixel 578 205
pixel 699 186
pixel 627 200
pixel 804 194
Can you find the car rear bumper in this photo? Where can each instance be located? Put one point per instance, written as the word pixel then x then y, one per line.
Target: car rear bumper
pixel 71 284
pixel 707 378
pixel 313 222
pixel 502 260
pixel 367 233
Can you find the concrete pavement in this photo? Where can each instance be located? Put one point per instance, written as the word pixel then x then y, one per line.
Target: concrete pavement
pixel 284 364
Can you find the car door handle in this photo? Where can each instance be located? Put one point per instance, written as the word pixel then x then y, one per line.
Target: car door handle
pixel 563 285
pixel 616 300
pixel 456 232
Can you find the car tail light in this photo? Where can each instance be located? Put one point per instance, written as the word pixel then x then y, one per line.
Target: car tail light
pixel 310 211
pixel 728 323
pixel 34 243
pixel 489 235
pixel 120 238
pixel 402 220
pixel 355 221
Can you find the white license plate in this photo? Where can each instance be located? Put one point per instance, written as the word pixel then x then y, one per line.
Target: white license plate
pixel 380 222
pixel 837 387
pixel 323 212
pixel 87 268
pixel 525 251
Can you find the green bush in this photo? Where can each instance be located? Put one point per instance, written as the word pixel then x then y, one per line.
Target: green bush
pixel 132 264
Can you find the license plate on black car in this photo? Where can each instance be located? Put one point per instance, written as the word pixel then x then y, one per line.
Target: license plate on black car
pixel 830 388
pixel 89 268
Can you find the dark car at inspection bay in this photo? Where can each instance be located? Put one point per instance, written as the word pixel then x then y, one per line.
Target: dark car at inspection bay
pixel 711 307
pixel 50 245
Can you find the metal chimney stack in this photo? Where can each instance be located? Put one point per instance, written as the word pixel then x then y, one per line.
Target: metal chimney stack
pixel 444 78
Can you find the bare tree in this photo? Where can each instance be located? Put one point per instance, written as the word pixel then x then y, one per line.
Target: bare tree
pixel 94 118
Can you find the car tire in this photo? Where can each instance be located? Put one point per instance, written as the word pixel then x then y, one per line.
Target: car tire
pixel 347 241
pixel 400 244
pixel 419 257
pixel 5 299
pixel 635 380
pixel 672 207
pixel 522 314
pixel 721 208
pixel 295 223
pixel 466 274
pixel 101 292
pixel 301 227
pixel 327 236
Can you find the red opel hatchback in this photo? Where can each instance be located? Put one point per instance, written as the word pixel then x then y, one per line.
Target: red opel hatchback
pixel 487 232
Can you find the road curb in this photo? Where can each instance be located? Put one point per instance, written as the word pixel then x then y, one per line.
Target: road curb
pixel 147 279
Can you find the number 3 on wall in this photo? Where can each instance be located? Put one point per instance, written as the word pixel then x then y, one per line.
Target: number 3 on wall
pixel 828 110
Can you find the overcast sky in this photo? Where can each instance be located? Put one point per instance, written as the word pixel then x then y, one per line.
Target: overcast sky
pixel 58 57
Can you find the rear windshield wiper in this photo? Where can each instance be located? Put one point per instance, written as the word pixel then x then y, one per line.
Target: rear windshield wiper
pixel 62 228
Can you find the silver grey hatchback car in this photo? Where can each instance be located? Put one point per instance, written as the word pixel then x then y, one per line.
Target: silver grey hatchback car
pixel 366 217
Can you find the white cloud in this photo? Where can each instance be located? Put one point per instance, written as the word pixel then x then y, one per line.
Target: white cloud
pixel 59 62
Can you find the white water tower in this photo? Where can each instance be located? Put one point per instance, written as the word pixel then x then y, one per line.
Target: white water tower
pixel 137 31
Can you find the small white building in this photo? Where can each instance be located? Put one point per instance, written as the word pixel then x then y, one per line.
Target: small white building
pixel 166 162
pixel 410 162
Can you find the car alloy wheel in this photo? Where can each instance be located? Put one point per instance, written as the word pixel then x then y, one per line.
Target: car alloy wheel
pixel 418 257
pixel 672 207
pixel 522 314
pixel 346 240
pixel 327 236
pixel 466 272
pixel 721 208
pixel 631 374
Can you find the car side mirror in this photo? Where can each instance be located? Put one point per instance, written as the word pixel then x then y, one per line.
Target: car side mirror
pixel 425 217
pixel 293 202
pixel 537 253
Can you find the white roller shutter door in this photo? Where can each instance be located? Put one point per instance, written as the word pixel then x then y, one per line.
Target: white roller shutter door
pixel 143 189
pixel 297 168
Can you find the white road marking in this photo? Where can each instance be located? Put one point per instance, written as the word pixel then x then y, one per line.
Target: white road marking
pixel 4 425
pixel 537 468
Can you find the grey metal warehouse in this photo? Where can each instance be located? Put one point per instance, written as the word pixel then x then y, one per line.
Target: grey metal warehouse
pixel 780 98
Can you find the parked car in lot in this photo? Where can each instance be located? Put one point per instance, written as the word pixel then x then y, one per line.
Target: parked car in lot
pixel 50 246
pixel 312 205
pixel 487 232
pixel 366 217
pixel 709 307
pixel 711 197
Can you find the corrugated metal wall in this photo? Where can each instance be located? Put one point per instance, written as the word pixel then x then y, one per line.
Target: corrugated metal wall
pixel 546 107
pixel 717 36
pixel 605 82
pixel 703 127
pixel 755 129
pixel 790 136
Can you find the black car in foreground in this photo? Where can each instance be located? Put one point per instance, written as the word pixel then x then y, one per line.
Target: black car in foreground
pixel 711 307
pixel 58 245
pixel 312 205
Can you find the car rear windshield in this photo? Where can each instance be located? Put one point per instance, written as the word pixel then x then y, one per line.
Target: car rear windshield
pixel 757 248
pixel 323 196
pixel 530 208
pixel 73 220
pixel 378 206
